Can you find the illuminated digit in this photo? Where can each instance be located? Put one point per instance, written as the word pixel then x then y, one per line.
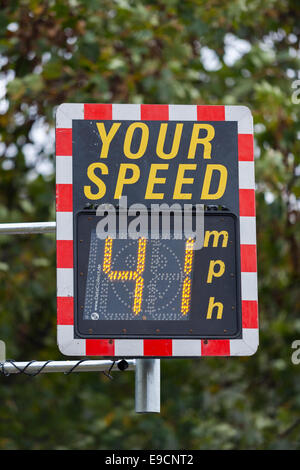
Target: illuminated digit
pixel 128 275
pixel 187 283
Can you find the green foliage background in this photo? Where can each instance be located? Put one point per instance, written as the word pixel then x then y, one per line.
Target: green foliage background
pixel 167 51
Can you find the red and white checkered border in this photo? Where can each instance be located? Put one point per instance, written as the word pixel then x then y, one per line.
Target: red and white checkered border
pixel 71 346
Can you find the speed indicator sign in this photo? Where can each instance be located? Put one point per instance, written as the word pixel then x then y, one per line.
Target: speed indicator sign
pixel 156 248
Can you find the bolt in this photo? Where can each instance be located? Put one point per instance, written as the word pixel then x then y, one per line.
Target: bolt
pixel 122 365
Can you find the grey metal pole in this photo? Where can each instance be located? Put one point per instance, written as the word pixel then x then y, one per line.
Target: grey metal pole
pixel 147 386
pixel 27 228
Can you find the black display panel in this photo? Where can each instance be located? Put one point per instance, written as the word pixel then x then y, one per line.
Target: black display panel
pixel 158 288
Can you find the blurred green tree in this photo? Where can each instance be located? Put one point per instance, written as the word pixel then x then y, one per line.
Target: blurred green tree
pixel 163 51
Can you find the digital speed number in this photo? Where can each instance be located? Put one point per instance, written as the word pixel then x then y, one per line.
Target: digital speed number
pixel 155 284
pixel 128 275
pixel 137 274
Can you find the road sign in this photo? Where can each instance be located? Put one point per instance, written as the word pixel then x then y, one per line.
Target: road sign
pixel 132 279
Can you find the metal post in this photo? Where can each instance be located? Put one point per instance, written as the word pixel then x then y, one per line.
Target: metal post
pixel 147 386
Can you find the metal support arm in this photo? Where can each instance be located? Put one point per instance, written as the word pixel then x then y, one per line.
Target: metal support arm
pixel 27 228
pixel 33 367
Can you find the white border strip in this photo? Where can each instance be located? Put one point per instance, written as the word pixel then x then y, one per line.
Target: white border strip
pixel 126 112
pixel 242 115
pixel 182 112
pixel 186 347
pixel 66 342
pixel 248 230
pixel 64 226
pixel 246 175
pixel 64 171
pixel 66 112
pixel 246 346
pixel 65 282
pixel 249 286
pixel 129 347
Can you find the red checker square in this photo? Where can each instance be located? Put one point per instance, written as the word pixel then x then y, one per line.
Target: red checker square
pixel 210 113
pixel 157 347
pixel 215 347
pixel 65 310
pixel 64 198
pixel 63 142
pixel 245 147
pixel 97 111
pixel 249 314
pixel 64 253
pixel 248 259
pixel 100 347
pixel 154 112
pixel 247 202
